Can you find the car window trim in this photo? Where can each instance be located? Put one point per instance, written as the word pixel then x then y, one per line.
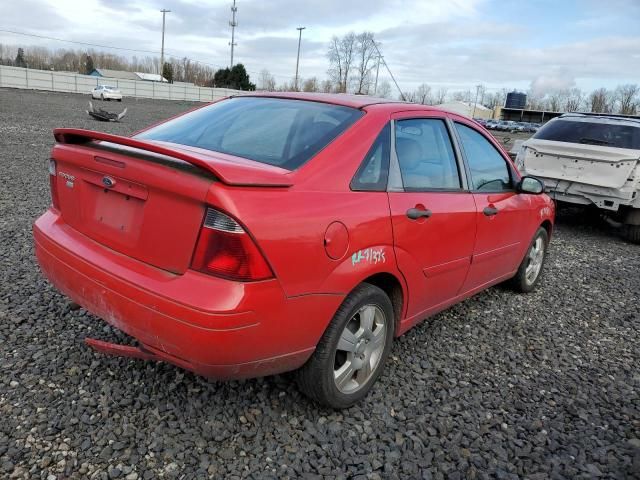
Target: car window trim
pixel 513 176
pixel 398 184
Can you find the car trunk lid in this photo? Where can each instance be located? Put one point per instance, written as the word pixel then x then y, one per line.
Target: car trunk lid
pixel 143 199
pixel 597 165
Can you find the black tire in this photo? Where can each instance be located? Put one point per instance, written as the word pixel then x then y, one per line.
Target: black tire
pixel 316 377
pixel 119 99
pixel 520 282
pixel 632 233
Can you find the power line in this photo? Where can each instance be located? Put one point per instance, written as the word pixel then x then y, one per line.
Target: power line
pixel 135 50
pixel 78 43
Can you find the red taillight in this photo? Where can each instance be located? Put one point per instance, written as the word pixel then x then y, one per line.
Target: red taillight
pixel 225 249
pixel 53 184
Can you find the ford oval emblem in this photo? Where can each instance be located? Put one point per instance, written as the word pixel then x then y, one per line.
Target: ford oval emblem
pixel 108 182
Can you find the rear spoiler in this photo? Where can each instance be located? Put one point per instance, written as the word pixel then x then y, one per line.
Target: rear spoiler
pixel 238 173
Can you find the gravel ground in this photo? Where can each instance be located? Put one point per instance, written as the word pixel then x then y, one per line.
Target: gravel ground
pixel 501 386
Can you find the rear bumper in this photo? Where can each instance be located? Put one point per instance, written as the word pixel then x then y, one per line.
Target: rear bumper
pixel 583 194
pixel 214 327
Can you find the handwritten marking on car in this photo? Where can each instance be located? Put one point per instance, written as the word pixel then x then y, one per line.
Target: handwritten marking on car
pixel 545 212
pixel 369 255
pixel 69 178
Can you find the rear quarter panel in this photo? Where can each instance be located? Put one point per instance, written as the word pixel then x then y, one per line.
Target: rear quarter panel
pixel 289 227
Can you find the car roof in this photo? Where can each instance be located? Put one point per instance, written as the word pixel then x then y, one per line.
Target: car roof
pixel 364 102
pixel 344 99
pixel 602 118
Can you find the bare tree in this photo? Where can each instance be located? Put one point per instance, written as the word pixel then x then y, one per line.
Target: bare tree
pixel 535 100
pixel 267 82
pixel 598 101
pixel 341 55
pixel 384 89
pixel 573 101
pixel 423 95
pixel 288 86
pixel 556 101
pixel 327 86
pixel 493 100
pixel 627 100
pixel 480 94
pixel 367 54
pixel 440 96
pixel 311 85
pixel 459 96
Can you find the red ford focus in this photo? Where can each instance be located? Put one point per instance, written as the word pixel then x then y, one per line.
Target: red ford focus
pixel 268 233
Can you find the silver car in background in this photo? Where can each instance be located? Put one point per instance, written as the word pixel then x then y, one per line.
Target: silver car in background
pixel 106 92
pixel 590 160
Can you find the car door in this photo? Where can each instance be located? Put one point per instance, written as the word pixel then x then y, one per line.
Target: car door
pixel 433 215
pixel 501 212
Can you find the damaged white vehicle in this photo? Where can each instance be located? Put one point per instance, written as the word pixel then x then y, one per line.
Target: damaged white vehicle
pixel 589 160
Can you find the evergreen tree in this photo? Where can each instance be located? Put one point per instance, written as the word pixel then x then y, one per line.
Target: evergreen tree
pixel 167 72
pixel 236 78
pixel 88 65
pixel 20 62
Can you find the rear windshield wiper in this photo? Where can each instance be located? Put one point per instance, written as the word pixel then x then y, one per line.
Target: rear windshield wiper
pixel 594 141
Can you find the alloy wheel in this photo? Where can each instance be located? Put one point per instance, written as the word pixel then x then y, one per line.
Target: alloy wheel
pixel 535 259
pixel 360 348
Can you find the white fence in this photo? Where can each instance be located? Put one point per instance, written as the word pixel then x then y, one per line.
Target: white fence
pixel 15 77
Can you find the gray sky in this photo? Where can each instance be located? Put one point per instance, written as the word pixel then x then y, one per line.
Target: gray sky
pixel 540 44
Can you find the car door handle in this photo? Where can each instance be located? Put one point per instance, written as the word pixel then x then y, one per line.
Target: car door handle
pixel 416 213
pixel 490 211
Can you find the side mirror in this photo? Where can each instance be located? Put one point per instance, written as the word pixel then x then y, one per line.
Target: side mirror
pixel 531 185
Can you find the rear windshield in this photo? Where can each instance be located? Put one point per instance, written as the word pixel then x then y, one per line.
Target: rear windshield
pixel 591 133
pixel 282 132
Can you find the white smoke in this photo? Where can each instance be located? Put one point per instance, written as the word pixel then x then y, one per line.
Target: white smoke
pixel 551 83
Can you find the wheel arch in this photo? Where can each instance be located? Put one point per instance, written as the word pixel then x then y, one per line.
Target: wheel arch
pixel 392 286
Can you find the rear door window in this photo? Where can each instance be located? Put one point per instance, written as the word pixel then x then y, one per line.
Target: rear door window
pixel 591 133
pixel 425 155
pixel 282 132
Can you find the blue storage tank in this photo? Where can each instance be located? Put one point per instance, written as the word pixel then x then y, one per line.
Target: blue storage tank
pixel 516 100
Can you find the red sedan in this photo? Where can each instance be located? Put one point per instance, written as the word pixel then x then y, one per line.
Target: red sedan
pixel 267 233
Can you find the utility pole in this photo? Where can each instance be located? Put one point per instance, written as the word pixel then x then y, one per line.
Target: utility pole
pixel 380 57
pixel 164 12
pixel 478 87
pixel 298 58
pixel 375 87
pixel 233 25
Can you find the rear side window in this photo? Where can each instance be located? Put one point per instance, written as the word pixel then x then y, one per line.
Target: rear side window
pixel 591 133
pixel 281 132
pixel 374 170
pixel 489 170
pixel 425 155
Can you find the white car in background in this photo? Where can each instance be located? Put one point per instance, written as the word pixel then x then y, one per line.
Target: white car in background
pixel 589 160
pixel 106 92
